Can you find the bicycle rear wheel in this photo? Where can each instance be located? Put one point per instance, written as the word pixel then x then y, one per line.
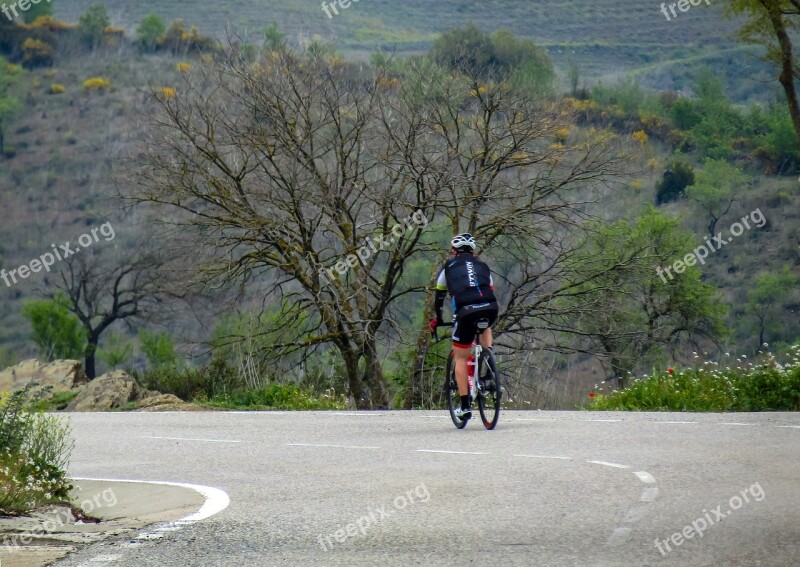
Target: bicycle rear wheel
pixel 491 392
pixel 451 392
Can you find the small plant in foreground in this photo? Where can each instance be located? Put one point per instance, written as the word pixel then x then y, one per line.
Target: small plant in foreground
pixel 34 451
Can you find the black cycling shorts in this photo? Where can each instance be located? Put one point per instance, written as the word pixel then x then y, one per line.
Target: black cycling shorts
pixel 466 321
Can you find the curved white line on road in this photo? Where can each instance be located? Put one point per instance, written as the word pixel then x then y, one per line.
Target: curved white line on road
pixel 216 501
pixel 649 493
pixel 645 477
pixel 605 464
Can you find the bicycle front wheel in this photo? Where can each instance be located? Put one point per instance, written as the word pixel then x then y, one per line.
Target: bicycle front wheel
pixel 491 391
pixel 451 392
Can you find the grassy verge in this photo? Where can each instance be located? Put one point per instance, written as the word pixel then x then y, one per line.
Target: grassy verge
pixel 34 451
pixel 276 397
pixel 763 385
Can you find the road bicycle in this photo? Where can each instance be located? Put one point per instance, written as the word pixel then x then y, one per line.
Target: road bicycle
pixel 484 382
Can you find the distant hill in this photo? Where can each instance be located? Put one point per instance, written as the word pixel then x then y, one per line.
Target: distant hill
pixel 606 37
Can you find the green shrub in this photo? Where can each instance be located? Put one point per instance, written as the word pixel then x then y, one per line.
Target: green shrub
pixel 150 29
pixel 764 386
pixel 677 178
pixel 216 378
pixel 57 332
pixel 92 25
pixel 684 114
pixel 159 349
pixel 34 451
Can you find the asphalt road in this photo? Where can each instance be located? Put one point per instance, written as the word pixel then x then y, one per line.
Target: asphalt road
pixel 407 488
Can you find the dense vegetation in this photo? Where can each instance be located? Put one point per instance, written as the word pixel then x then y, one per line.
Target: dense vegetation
pixel 739 385
pixel 578 264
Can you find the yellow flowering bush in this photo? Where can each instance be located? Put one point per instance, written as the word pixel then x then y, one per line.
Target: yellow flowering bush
pixel 36 53
pixel 56 88
pixel 184 67
pixel 640 136
pixel 167 93
pixel 97 84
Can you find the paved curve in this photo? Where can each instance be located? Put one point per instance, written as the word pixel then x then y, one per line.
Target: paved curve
pixel 406 488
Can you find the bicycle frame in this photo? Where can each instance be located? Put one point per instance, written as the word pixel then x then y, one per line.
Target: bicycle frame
pixel 477 349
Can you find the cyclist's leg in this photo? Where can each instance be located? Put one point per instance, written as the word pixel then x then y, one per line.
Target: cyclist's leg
pixel 461 354
pixel 463 333
pixel 486 338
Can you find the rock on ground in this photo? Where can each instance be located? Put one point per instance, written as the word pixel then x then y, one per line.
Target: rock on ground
pixel 111 391
pixel 61 375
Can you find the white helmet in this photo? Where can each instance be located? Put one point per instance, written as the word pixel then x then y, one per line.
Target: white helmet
pixel 463 241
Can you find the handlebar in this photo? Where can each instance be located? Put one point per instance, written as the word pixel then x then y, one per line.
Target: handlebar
pixel 435 332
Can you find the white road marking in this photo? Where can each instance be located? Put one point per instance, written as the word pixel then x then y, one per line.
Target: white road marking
pixel 635 513
pixel 362 414
pixel 649 494
pixel 450 452
pixel 618 536
pixel 216 501
pixel 191 439
pixel 789 426
pixel 645 477
pixel 737 423
pixel 544 457
pixel 603 420
pixel 329 446
pixel 604 463
pixel 676 422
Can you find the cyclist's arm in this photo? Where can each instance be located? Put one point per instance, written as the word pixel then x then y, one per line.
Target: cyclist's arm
pixel 441 293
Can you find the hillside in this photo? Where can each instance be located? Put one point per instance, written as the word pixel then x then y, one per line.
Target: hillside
pixel 606 38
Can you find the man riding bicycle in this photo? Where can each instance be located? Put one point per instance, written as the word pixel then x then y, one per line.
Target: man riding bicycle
pixel 468 280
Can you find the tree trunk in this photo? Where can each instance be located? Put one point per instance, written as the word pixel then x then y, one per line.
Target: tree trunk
pixel 89 357
pixel 415 395
pixel 354 385
pixel 377 394
pixel 786 77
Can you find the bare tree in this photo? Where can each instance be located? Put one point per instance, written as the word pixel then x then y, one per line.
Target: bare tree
pixel 278 172
pixel 503 165
pixel 101 292
pixel 300 172
pixel 771 23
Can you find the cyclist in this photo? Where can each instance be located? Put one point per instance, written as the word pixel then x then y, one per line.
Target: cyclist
pixel 468 280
